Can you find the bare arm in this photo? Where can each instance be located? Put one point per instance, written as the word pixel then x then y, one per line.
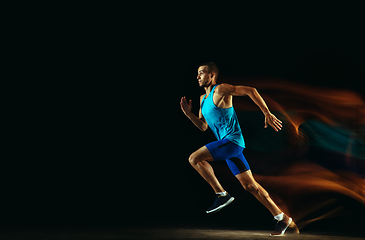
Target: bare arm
pixel 186 108
pixel 270 118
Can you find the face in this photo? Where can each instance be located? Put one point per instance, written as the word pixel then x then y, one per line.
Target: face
pixel 204 78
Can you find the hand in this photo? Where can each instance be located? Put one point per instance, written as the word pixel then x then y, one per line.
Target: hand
pixel 273 121
pixel 185 106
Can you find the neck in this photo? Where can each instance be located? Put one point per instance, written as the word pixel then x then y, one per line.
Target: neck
pixel 209 88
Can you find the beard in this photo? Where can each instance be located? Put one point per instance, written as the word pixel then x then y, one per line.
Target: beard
pixel 203 84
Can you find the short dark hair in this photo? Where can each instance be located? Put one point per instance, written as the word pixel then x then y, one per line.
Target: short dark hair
pixel 211 67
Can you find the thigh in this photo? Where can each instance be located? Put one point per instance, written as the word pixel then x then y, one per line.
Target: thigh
pixel 246 177
pixel 238 164
pixel 202 154
pixel 223 149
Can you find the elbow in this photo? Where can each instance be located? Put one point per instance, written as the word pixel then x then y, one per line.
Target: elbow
pixel 252 91
pixel 204 128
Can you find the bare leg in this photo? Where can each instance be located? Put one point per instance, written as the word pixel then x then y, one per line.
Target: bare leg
pixel 199 160
pixel 249 183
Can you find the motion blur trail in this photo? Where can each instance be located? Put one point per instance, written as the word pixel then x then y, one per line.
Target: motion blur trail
pixel 319 155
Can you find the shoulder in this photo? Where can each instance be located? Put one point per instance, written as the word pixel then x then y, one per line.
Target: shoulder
pixel 201 97
pixel 225 88
pixel 224 85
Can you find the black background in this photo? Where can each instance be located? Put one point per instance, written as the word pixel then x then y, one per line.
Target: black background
pixel 99 137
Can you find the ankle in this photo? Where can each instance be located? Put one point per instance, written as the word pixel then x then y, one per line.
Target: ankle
pixel 222 194
pixel 279 217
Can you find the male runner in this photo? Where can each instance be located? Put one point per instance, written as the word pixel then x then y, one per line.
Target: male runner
pixel 216 111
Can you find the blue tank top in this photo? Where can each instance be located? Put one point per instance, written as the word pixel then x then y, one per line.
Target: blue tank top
pixel 222 121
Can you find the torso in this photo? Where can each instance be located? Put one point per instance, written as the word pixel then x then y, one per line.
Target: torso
pixel 219 99
pixel 219 114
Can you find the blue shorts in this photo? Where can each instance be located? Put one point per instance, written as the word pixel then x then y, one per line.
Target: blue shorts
pixel 231 152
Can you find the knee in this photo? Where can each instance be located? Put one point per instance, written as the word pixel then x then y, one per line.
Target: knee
pixel 250 187
pixel 255 189
pixel 192 160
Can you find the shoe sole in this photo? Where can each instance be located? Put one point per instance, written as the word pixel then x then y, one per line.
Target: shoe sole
pixel 282 232
pixel 221 206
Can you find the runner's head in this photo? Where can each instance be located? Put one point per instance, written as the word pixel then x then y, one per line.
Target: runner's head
pixel 207 74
